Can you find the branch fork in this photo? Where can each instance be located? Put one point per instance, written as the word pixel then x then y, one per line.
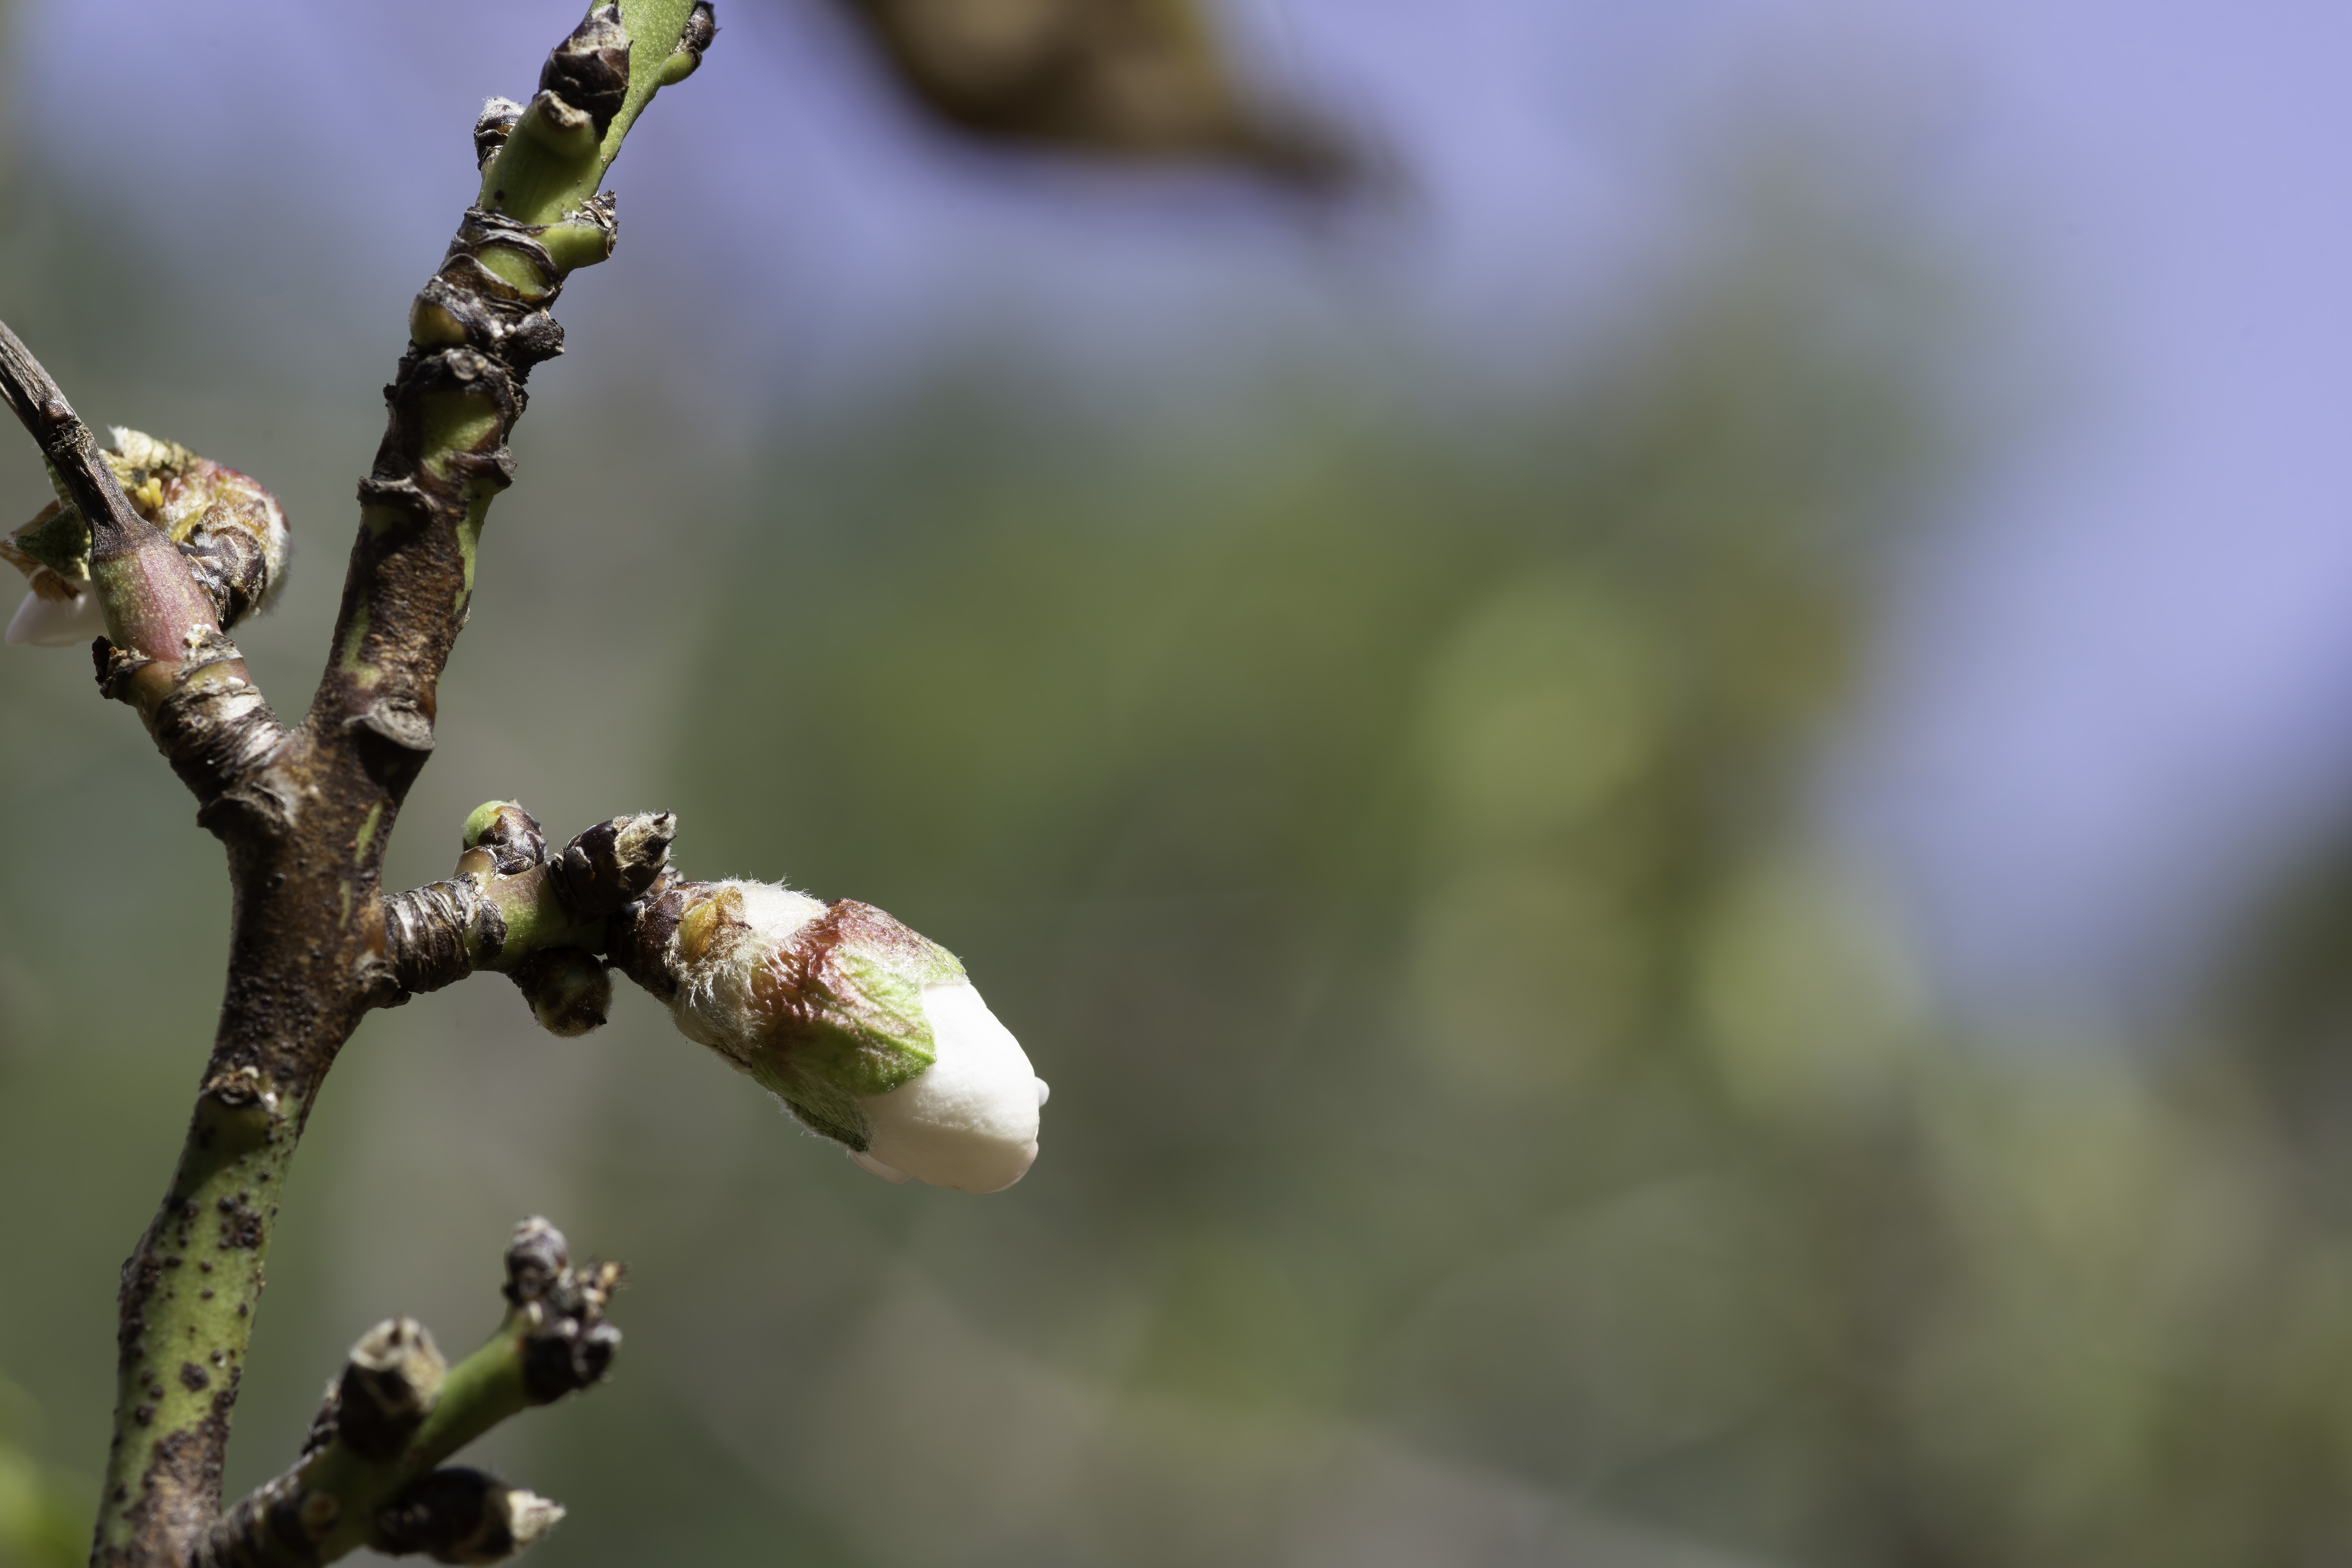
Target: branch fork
pixel 305 811
pixel 870 1034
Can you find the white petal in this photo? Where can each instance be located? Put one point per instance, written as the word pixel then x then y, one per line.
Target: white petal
pixel 1045 1092
pixel 530 1515
pixel 969 1119
pixel 869 1161
pixel 58 623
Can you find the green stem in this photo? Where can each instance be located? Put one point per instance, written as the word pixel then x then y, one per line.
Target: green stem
pixel 307 944
pixel 368 1479
pixel 541 178
pixel 482 1391
pixel 536 920
pixel 184 1353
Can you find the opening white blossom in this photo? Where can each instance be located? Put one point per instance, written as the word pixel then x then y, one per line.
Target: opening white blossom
pixel 44 622
pixel 967 1121
pixel 870 1032
pixel 232 528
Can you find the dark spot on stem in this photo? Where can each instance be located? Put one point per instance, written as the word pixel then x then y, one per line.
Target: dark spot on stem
pixel 240 1226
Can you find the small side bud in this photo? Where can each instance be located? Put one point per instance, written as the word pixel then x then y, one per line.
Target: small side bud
pixel 496 123
pixel 571 1348
pixel 870 1032
pixel 555 124
pixel 241 1087
pixel 530 1515
pixel 569 991
pixel 701 27
pixel 590 69
pixel 390 1384
pixel 465 1515
pixel 612 863
pixel 536 1257
pixel 510 833
pixel 566 1344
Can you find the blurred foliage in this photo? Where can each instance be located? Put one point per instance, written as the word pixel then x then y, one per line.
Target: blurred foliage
pixel 1485 1115
pixel 42 1518
pixel 1491 1125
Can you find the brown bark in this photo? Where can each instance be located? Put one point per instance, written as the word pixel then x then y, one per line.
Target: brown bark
pixel 305 814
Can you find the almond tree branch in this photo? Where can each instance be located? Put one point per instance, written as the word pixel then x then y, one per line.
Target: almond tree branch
pixel 367 1476
pixel 541 920
pixel 165 633
pixel 305 815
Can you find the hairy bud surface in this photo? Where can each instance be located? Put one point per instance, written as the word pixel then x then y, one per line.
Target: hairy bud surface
pixel 871 1034
pixel 230 528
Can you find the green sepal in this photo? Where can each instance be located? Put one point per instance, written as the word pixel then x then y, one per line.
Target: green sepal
pixel 869 1036
pixel 61 544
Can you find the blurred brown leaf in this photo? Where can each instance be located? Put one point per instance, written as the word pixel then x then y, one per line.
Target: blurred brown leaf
pixel 1144 79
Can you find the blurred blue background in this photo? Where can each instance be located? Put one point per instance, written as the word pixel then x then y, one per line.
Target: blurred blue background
pixel 1668 802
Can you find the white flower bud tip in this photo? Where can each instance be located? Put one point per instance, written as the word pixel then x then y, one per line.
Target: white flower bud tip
pixel 969 1119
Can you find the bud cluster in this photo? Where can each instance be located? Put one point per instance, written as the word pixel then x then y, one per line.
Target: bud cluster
pixel 567 1344
pixel 232 530
pixel 357 1481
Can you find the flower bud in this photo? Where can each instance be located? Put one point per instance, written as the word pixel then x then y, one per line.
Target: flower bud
pixel 686 57
pixel 568 990
pixel 510 834
pixel 590 69
pixel 464 1516
pixel 870 1032
pixel 496 123
pixel 232 530
pixel 390 1383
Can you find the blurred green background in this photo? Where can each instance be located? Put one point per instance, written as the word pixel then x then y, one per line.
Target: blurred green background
pixel 1494 1121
